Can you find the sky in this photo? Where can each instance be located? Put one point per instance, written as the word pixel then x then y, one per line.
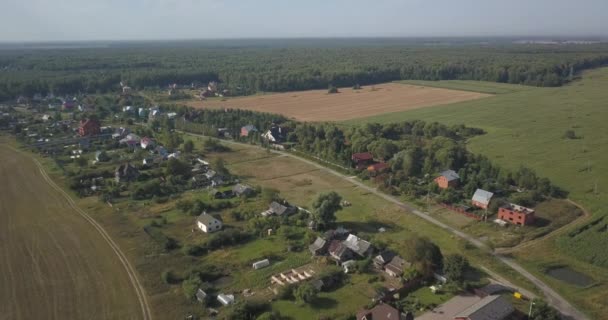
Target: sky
pixel 67 20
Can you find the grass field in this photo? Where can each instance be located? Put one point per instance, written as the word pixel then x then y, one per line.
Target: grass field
pixel 318 105
pixel 470 85
pixel 527 128
pixel 53 264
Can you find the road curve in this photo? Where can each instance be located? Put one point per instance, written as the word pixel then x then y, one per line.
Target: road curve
pixel 139 289
pixel 552 297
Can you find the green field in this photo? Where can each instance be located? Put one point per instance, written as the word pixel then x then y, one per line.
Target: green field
pixel 527 128
pixel 54 264
pixel 470 85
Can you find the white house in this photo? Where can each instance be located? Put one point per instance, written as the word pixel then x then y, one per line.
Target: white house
pixel 207 223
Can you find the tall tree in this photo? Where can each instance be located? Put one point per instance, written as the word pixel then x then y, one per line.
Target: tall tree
pixel 325 207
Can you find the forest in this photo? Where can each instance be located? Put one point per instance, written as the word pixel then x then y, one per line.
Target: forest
pixel 248 69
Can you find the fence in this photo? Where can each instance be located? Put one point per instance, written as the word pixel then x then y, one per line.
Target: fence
pixel 461 211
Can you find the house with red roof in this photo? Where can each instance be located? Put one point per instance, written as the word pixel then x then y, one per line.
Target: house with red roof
pixel 362 160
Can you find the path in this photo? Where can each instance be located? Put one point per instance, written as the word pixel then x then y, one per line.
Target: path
pixel 552 297
pixel 139 290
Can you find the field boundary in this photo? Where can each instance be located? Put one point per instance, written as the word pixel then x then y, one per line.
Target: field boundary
pixel 139 289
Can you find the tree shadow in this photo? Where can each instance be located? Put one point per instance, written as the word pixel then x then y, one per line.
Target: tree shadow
pixel 324 303
pixel 372 226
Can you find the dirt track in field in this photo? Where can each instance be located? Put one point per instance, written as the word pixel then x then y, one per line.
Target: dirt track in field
pixel 318 105
pixel 53 264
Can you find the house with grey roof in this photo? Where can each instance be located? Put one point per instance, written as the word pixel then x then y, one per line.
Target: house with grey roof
pixel 482 198
pixel 492 307
pixel 242 190
pixel 359 246
pixel 278 209
pixel 201 295
pixel 447 179
pixel 319 247
pixel 207 223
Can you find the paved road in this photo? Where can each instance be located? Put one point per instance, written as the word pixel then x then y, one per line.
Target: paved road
pixel 552 297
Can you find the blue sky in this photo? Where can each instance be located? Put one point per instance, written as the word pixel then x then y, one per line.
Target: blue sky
pixel 41 20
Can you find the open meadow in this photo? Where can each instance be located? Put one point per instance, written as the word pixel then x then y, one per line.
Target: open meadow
pixel 53 263
pixel 318 105
pixel 528 127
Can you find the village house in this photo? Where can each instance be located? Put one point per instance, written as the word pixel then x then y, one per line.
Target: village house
pixel 246 130
pixel 126 173
pixel 362 160
pixel 339 233
pixel 278 209
pixel 275 135
pixel 207 223
pixel 146 142
pixel 382 259
pixel 89 127
pixel 516 214
pixel 396 267
pixel 378 168
pixel 359 246
pixel 242 190
pixel 126 90
pixel 380 312
pixel 339 251
pixel 131 140
pixel 447 179
pixel 481 198
pixel 199 181
pixel 493 307
pixel 319 247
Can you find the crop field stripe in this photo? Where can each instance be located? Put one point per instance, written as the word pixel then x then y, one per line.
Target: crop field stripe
pixel 139 289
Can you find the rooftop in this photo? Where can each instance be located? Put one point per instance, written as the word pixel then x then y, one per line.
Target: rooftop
pixel 518 208
pixel 450 175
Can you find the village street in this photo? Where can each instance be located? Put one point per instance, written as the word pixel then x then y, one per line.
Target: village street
pixel 550 295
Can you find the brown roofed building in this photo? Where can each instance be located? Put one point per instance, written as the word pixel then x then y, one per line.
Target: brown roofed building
pixel 380 312
pixel 362 160
pixel 516 214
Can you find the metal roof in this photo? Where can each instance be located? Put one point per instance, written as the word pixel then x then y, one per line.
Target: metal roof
pixel 482 196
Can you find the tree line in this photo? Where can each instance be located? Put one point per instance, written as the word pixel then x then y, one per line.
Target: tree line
pixel 246 70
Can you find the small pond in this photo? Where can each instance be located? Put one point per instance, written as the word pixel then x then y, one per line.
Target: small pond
pixel 570 276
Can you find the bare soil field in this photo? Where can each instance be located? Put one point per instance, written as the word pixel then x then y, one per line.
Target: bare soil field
pixel 318 105
pixel 53 263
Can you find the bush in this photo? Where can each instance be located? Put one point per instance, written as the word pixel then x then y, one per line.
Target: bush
pixel 192 250
pixel 190 286
pixel 169 277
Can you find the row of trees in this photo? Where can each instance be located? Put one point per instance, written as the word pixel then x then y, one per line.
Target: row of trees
pixel 249 70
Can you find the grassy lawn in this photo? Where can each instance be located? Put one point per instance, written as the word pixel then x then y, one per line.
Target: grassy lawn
pixel 527 128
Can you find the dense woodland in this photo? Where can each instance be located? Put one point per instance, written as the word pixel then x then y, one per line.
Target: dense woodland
pixel 249 69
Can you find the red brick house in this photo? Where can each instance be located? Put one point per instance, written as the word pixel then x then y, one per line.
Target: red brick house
pixel 516 214
pixel 362 160
pixel 89 127
pixel 447 179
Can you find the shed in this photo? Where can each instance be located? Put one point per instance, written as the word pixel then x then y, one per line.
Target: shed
pixel 261 264
pixel 225 299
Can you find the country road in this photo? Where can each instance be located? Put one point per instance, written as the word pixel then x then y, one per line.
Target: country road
pixel 552 297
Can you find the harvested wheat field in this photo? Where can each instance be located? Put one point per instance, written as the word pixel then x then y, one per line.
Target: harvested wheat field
pixel 318 105
pixel 53 263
